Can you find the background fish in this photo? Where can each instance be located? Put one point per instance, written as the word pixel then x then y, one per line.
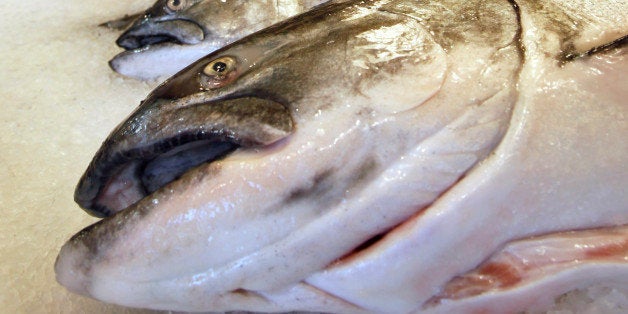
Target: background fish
pixel 172 34
pixel 372 156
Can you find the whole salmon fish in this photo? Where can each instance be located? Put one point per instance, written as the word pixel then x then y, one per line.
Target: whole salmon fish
pixel 389 156
pixel 174 33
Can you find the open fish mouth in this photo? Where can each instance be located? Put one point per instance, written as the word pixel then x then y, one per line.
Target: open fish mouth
pixel 165 42
pixel 144 33
pixel 125 171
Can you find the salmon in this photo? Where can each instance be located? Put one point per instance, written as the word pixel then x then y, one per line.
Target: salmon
pixel 389 156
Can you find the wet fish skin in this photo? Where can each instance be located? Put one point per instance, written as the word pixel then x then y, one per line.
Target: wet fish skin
pixel 386 145
pixel 162 41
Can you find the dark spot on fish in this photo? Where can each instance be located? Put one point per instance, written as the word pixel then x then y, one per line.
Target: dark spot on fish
pixel 96 239
pixel 328 188
pixel 319 185
pixel 364 172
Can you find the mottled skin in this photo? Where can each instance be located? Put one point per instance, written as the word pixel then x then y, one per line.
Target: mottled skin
pixel 173 34
pixel 423 137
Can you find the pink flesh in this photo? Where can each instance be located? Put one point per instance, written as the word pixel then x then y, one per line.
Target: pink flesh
pixel 122 190
pixel 522 266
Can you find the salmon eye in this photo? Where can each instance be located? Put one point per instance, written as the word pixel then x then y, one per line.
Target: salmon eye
pixel 219 67
pixel 176 5
pixel 219 72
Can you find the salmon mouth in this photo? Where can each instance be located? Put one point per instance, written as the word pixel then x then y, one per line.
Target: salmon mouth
pixel 129 176
pixel 155 147
pixel 173 44
pixel 138 43
pixel 146 33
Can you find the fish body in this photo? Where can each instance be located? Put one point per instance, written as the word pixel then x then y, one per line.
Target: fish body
pixel 372 156
pixel 172 34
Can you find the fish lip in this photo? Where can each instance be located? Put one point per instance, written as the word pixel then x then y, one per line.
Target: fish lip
pixel 125 157
pixel 149 32
pixel 107 170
